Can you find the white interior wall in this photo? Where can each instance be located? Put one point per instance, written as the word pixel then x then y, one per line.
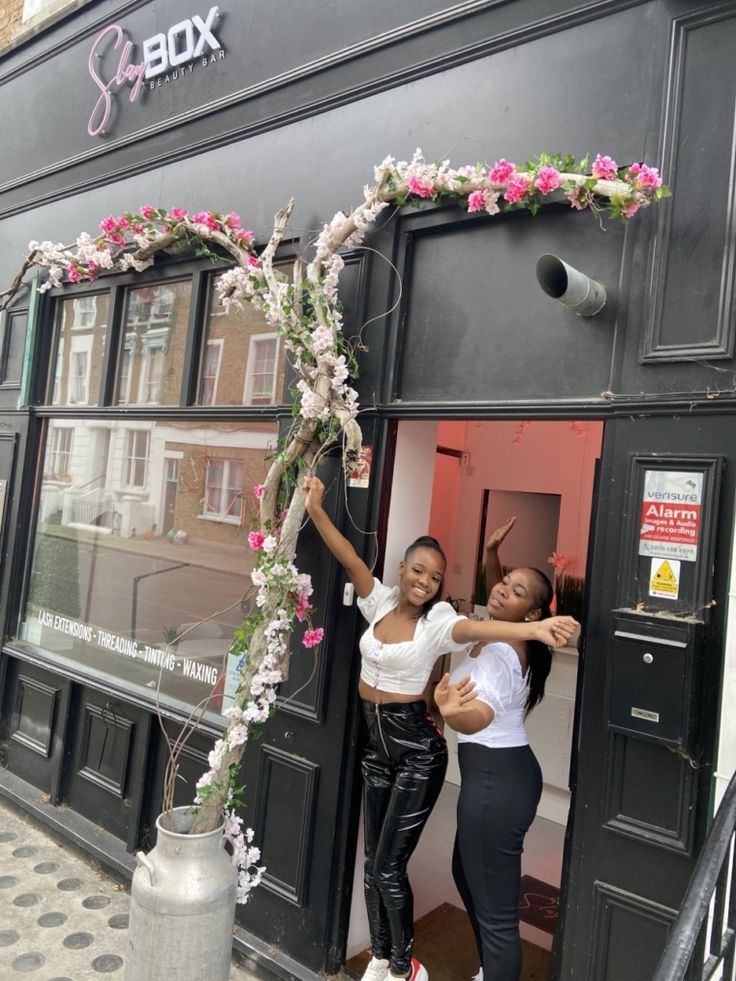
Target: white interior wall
pixel 411 493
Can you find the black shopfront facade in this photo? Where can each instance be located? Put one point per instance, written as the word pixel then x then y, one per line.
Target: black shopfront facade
pixel 136 414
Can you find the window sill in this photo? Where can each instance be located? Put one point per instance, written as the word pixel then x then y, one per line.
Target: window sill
pixel 219 519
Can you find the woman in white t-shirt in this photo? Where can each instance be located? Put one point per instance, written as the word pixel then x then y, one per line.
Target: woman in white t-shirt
pixel 486 700
pixel 406 756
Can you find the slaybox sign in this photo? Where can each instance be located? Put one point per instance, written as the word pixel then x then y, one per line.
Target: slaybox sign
pixel 164 58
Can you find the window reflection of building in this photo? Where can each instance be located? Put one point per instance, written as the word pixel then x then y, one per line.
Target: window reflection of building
pixel 223 498
pixel 152 356
pixel 136 458
pixel 124 377
pixel 260 379
pixel 250 368
pixel 79 378
pixel 211 371
pixel 80 350
pixel 59 453
pixel 85 312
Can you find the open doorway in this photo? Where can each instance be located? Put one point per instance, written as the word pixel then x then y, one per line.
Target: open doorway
pixel 456 480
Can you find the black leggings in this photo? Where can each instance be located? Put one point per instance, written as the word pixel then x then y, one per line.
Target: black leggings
pixel 499 794
pixel 403 772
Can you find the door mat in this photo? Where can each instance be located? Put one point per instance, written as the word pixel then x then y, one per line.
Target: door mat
pixel 444 943
pixel 539 903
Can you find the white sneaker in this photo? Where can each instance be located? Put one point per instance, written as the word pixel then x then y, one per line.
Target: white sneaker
pixel 478 976
pixel 377 970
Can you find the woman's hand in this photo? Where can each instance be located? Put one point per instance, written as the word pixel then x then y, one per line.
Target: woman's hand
pixel 315 492
pixel 497 536
pixel 555 631
pixel 452 699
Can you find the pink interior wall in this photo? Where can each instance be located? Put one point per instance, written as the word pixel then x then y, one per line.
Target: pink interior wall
pixel 539 457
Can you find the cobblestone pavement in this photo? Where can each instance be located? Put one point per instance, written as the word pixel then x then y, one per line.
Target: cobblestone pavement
pixel 61 917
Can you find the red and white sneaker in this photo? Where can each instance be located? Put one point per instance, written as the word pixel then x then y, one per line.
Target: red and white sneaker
pixel 418 972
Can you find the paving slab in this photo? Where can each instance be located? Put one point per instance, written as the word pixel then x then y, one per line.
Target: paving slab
pixel 62 918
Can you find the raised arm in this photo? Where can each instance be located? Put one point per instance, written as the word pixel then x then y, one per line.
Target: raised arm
pixel 554 631
pixel 492 561
pixel 358 572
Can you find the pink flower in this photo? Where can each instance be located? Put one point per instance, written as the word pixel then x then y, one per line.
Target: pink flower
pixel 420 186
pixel 177 214
pixel 501 171
pixel 648 177
pixel 548 179
pixel 313 637
pixel 559 561
pixel 147 211
pixel 302 607
pixel 254 262
pixel 207 219
pixel 477 201
pixel 630 210
pixel 516 188
pixel 108 225
pixel 73 274
pixel 231 220
pixel 258 490
pixel 245 235
pixel 604 168
pixel 256 540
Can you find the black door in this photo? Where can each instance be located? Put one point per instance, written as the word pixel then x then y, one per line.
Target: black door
pixel 302 794
pixel 648 710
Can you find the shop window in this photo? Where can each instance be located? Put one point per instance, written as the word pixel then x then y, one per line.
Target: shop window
pixel 80 350
pixel 152 357
pixel 127 585
pixel 136 458
pixel 250 367
pixel 260 378
pixel 223 497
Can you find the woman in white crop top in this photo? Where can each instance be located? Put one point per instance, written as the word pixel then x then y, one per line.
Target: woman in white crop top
pixel 486 701
pixel 405 759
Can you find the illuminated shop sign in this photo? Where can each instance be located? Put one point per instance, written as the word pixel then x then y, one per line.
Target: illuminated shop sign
pixel 164 58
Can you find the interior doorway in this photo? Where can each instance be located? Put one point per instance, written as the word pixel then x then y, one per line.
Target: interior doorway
pixel 457 480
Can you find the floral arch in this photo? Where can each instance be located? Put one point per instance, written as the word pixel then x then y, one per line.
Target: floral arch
pixel 306 313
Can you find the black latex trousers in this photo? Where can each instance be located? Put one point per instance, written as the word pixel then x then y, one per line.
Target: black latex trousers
pixel 403 771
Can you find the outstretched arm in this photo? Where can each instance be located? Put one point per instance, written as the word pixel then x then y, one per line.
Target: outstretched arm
pixel 554 631
pixel 358 572
pixel 492 561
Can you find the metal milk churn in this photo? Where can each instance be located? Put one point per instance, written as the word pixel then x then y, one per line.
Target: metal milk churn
pixel 182 905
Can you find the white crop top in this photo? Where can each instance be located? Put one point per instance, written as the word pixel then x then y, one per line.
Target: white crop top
pixel 499 683
pixel 404 668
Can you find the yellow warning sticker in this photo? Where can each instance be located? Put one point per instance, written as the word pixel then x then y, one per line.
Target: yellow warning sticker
pixel 665 578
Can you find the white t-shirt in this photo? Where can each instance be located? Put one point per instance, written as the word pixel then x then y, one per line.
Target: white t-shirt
pixel 404 668
pixel 499 683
